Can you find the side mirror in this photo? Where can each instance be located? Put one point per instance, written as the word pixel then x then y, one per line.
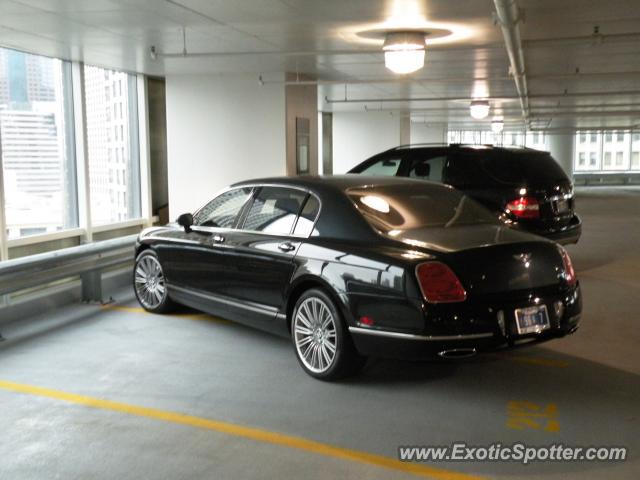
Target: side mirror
pixel 185 220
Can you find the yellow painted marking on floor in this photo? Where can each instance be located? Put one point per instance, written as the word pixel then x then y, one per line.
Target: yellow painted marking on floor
pixel 545 362
pixel 190 316
pixel 274 438
pixel 523 415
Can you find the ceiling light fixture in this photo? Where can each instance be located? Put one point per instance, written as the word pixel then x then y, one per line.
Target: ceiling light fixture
pixel 404 51
pixel 497 126
pixel 479 109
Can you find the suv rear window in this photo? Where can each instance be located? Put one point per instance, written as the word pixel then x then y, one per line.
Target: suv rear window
pixel 503 168
pixel 403 207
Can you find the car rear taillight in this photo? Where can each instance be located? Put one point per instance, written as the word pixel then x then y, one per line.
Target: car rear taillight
pixel 524 207
pixel 569 272
pixel 439 284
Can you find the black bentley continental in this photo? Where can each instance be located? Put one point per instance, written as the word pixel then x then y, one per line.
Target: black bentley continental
pixel 355 266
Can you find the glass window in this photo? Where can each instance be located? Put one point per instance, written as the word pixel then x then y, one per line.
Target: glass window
pixel 582 159
pixel 274 210
pixel 487 169
pixel 583 137
pixel 607 160
pixel 307 217
pixel 36 131
pixel 635 160
pixel 383 168
pixel 223 210
pixel 593 159
pixel 619 159
pixel 429 169
pixel 593 138
pixel 109 137
pixel 608 137
pixel 620 137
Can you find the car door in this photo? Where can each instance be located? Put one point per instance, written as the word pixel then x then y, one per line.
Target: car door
pixel 264 250
pixel 199 260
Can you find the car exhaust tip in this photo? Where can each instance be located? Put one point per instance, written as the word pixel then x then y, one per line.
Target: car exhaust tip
pixel 458 353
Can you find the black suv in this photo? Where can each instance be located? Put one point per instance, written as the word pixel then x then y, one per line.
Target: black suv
pixel 527 185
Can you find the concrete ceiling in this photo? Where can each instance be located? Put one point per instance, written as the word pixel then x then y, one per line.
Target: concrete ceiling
pixel 575 79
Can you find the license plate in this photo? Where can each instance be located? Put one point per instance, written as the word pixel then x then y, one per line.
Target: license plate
pixel 562 206
pixel 532 319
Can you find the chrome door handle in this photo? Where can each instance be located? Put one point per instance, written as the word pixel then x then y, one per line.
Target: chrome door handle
pixel 286 246
pixel 218 239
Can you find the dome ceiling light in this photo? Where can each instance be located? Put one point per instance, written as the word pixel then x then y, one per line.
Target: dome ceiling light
pixel 404 48
pixel 479 109
pixel 404 52
pixel 497 126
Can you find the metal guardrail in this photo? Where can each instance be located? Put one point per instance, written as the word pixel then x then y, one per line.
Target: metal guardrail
pixel 88 261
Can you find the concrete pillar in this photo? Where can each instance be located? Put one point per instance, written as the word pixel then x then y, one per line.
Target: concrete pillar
pixel 405 130
pixel 302 125
pixel 327 143
pixel 561 148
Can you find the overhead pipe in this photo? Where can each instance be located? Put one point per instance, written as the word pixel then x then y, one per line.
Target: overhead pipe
pixel 532 43
pixel 467 98
pixel 508 15
pixel 446 79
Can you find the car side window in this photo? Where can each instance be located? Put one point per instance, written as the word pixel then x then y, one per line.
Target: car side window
pixel 428 168
pixel 465 171
pixel 223 210
pixel 274 210
pixel 387 167
pixel 307 217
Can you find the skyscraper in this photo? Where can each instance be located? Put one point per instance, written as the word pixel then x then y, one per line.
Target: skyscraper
pixel 34 144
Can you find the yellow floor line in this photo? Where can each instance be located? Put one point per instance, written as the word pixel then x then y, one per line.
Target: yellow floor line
pixel 255 434
pixel 545 362
pixel 190 316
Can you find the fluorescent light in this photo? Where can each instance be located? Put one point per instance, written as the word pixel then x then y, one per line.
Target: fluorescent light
pixel 404 52
pixel 479 109
pixel 497 126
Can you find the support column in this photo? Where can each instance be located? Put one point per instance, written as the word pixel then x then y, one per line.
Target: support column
pixel 301 127
pixel 327 143
pixel 561 147
pixel 405 130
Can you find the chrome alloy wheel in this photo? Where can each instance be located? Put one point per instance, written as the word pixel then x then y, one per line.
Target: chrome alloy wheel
pixel 149 282
pixel 314 331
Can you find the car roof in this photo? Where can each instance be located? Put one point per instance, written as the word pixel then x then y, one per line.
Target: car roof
pixel 339 182
pixel 464 146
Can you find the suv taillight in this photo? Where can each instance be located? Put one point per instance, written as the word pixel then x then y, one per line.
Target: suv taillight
pixel 439 284
pixel 569 272
pixel 524 207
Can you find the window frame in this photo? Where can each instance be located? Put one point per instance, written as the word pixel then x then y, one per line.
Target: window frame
pixel 239 217
pixel 291 234
pixel 84 232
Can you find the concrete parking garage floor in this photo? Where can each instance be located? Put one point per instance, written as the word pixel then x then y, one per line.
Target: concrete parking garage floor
pixel 92 392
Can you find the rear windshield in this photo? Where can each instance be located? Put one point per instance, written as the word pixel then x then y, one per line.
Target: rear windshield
pixel 404 207
pixel 498 168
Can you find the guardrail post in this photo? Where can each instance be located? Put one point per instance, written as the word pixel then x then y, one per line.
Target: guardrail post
pixel 92 286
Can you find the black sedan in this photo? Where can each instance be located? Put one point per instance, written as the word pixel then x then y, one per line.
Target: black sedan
pixel 355 266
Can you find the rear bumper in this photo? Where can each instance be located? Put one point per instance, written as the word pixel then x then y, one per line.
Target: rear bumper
pixel 404 345
pixel 568 234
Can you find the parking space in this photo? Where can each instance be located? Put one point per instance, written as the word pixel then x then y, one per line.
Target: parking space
pixel 253 413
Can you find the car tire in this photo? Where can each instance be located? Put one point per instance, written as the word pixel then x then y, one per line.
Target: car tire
pixel 320 338
pixel 149 283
